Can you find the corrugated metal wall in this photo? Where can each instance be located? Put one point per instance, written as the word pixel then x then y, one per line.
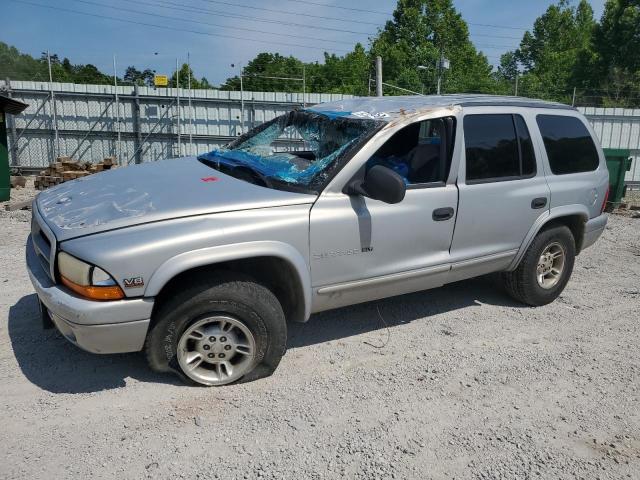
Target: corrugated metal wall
pixel 148 122
pixel 618 128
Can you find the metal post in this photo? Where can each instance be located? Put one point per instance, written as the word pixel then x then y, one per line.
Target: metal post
pixel 379 76
pixel 190 106
pixel 178 107
pixel 136 124
pixel 12 120
pixel 115 86
pixel 304 86
pixel 241 103
pixel 573 101
pixel 56 146
pixel 516 94
pixel 439 73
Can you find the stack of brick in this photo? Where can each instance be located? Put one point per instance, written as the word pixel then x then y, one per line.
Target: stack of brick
pixel 65 169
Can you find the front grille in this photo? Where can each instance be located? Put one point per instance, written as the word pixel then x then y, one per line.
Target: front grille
pixel 43 242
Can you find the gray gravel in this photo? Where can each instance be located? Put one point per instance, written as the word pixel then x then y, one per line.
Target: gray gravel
pixel 469 385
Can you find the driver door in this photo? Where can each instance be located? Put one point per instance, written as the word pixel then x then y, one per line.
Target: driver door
pixel 363 249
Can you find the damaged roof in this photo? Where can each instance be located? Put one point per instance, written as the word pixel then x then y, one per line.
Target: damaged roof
pixel 389 108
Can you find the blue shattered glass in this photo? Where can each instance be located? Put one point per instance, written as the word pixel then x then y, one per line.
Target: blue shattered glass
pixel 314 144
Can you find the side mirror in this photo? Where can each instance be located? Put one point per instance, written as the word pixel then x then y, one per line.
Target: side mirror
pixel 380 183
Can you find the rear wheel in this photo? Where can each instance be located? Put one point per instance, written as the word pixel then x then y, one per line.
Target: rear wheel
pixel 545 268
pixel 218 330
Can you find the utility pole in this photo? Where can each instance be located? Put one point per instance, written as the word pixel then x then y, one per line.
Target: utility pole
pixel 115 86
pixel 241 103
pixel 379 76
pixel 56 145
pixel 178 107
pixel 190 107
pixel 573 101
pixel 304 86
pixel 516 94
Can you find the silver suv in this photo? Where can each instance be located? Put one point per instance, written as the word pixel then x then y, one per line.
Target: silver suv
pixel 202 261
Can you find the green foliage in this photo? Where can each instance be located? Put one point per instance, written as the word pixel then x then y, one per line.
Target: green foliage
pixel 420 33
pixel 550 54
pixel 19 66
pixel 616 59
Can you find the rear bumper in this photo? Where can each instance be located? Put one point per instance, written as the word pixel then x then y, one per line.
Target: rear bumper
pixel 593 229
pixel 98 327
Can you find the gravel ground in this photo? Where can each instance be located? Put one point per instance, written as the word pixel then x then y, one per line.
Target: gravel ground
pixel 468 385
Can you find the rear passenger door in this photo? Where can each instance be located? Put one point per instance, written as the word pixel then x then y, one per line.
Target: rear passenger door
pixel 502 192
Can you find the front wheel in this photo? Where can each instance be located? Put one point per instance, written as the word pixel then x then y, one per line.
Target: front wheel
pixel 545 268
pixel 220 329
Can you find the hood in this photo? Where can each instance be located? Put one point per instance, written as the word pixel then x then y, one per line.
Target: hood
pixel 151 192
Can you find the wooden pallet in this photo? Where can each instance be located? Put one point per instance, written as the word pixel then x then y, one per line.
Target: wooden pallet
pixel 65 169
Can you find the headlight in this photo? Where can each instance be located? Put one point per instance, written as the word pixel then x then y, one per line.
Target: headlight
pixel 87 280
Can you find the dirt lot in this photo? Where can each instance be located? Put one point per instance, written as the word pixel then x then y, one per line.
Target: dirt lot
pixel 469 385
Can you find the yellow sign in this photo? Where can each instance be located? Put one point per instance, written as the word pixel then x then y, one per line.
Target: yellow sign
pixel 161 80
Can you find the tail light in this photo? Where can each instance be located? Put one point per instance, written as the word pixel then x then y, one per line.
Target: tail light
pixel 606 199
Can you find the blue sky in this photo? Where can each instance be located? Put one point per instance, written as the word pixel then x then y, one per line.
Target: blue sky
pixel 90 39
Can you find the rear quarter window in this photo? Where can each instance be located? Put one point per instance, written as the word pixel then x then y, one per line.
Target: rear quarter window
pixel 568 143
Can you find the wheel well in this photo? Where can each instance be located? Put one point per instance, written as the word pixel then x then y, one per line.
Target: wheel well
pixel 575 223
pixel 275 273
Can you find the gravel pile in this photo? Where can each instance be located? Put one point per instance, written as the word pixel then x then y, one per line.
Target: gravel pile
pixel 464 383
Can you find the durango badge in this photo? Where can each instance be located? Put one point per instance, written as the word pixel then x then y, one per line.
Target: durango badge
pixel 134 282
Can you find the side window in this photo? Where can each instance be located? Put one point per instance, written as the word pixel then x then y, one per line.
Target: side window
pixel 569 145
pixel 498 147
pixel 420 152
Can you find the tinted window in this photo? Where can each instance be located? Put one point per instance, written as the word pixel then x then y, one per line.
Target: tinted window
pixel 569 145
pixel 491 147
pixel 526 147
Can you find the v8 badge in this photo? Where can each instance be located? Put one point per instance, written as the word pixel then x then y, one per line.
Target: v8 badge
pixel 134 282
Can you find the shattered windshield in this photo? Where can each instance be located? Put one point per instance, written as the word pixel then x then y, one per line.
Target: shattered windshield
pixel 299 148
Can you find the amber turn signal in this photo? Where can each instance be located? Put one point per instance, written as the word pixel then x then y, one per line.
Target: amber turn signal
pixel 94 293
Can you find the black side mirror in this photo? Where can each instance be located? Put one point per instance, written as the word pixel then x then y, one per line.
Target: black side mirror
pixel 380 183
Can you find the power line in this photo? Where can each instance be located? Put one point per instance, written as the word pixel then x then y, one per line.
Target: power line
pixel 251 7
pixel 207 23
pixel 167 27
pixel 318 4
pixel 188 8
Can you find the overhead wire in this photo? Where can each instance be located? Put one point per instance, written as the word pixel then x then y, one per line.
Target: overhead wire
pixel 124 9
pixel 168 27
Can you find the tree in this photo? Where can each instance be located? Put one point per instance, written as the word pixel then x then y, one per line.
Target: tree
pixel 420 33
pixel 184 79
pixel 616 61
pixel 552 52
pixel 133 76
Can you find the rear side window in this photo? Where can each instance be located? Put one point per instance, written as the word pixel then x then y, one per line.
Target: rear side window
pixel 498 147
pixel 569 145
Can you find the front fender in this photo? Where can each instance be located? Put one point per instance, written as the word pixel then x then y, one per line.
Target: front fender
pixel 557 212
pixel 212 255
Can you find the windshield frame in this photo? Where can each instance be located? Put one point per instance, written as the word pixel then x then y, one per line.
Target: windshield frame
pixel 321 178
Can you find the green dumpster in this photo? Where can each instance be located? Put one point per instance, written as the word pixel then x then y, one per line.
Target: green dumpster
pixel 7 105
pixel 618 164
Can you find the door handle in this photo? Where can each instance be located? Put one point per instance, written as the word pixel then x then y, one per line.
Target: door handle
pixel 539 202
pixel 442 214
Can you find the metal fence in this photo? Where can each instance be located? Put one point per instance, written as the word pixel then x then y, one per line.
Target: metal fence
pixel 134 124
pixel 91 122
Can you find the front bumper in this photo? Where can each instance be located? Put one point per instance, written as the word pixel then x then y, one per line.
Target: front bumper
pixel 593 229
pixel 98 327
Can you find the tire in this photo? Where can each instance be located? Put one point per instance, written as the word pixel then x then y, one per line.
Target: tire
pixel 523 284
pixel 226 314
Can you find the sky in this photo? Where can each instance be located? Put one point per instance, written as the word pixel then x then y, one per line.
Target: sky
pixel 221 33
